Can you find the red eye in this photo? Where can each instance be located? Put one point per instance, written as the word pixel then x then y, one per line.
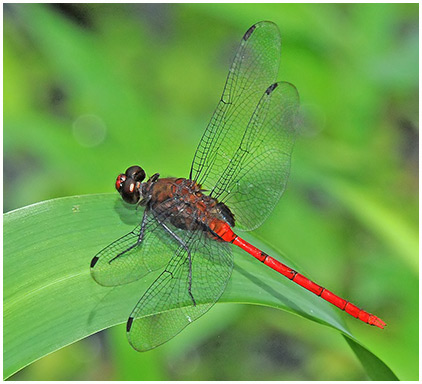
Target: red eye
pixel 119 181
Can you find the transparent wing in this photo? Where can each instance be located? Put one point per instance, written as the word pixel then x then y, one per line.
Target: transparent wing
pixel 253 70
pixel 167 307
pixel 146 248
pixel 254 180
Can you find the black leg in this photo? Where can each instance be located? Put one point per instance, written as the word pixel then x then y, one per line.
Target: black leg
pixel 183 244
pixel 140 237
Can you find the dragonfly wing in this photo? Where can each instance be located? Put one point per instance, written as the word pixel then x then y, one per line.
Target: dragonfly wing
pixel 255 179
pixel 167 307
pixel 146 248
pixel 253 70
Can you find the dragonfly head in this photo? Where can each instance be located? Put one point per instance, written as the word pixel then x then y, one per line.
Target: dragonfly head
pixel 129 184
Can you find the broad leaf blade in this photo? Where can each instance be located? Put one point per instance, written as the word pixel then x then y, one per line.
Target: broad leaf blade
pixel 50 299
pixel 375 368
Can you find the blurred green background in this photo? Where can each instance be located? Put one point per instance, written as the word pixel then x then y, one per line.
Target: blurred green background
pixel 92 89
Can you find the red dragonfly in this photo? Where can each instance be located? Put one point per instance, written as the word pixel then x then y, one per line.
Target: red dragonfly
pixel 238 173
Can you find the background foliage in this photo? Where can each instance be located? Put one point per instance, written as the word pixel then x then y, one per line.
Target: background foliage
pixel 91 89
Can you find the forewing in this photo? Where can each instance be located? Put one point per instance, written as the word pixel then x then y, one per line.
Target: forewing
pixel 167 307
pixel 126 260
pixel 254 68
pixel 255 179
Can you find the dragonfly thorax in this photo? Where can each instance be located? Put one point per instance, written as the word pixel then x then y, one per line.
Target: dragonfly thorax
pixel 186 205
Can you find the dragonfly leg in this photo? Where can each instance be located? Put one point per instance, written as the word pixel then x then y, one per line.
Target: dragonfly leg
pixel 183 244
pixel 140 237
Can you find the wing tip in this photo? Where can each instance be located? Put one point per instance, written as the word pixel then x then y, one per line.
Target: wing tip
pixel 94 261
pixel 129 324
pixel 271 88
pixel 261 24
pixel 249 32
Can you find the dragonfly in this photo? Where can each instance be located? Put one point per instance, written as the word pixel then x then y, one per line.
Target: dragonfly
pixel 238 173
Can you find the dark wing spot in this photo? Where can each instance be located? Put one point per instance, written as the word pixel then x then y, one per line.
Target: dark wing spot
pixel 248 33
pixel 129 324
pixel 94 261
pixel 271 88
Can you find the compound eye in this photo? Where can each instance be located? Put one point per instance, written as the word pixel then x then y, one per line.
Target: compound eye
pixel 130 191
pixel 136 173
pixel 119 181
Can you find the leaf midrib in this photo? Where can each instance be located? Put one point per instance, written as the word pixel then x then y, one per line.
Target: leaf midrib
pixel 10 301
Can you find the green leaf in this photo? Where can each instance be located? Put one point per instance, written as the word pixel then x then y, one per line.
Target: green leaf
pixel 375 368
pixel 50 299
